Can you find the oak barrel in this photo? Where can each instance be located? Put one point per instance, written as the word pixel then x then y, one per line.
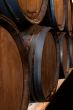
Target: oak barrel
pixel 57 13
pixel 64 45
pixel 18 10
pixel 72 14
pixel 43 62
pixel 69 25
pixel 14 93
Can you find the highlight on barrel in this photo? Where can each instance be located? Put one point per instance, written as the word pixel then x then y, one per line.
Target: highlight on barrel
pixel 57 13
pixel 14 92
pixel 43 62
pixel 33 10
pixel 64 45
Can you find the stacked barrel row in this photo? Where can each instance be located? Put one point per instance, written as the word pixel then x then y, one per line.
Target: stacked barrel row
pixel 55 13
pixel 36 49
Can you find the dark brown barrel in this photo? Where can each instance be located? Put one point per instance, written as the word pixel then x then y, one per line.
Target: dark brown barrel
pixel 18 10
pixel 64 46
pixel 57 13
pixel 13 69
pixel 43 62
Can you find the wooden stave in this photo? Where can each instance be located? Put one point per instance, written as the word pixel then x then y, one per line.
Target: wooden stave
pixel 12 29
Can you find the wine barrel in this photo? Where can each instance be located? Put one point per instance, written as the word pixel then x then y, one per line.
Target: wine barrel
pixel 69 24
pixel 64 45
pixel 32 10
pixel 43 62
pixel 57 13
pixel 14 92
pixel 72 14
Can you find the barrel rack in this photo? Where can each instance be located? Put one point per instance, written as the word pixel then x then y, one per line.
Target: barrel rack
pixel 63 99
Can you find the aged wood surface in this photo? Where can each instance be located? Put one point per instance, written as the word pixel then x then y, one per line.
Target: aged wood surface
pixel 11 73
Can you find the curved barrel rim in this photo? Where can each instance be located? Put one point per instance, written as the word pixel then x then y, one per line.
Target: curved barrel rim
pixel 18 14
pixel 39 95
pixel 63 36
